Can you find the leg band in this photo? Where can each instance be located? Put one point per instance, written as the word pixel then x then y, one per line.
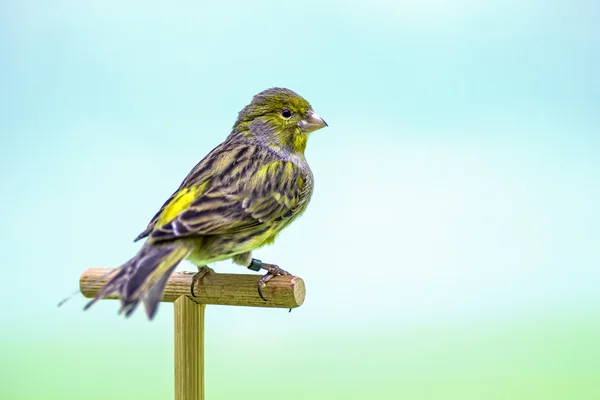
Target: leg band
pixel 255 265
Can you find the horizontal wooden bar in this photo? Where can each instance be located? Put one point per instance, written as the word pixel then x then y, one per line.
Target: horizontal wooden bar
pixel 214 288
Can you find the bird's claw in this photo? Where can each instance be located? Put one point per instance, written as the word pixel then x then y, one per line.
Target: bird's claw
pixel 262 282
pixel 272 271
pixel 202 272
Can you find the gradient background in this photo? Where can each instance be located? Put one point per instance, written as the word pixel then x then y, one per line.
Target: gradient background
pixel 451 249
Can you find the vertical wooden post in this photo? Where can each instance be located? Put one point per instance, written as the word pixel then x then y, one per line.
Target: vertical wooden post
pixel 189 349
pixel 223 289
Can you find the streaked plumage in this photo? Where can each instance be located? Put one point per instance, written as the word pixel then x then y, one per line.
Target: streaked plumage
pixel 237 199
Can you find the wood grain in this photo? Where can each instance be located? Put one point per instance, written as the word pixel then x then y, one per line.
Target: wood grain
pixel 189 349
pixel 214 288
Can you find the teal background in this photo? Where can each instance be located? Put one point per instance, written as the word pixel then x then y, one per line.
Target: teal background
pixel 451 249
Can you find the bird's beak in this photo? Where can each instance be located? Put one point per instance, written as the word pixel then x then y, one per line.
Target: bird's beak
pixel 312 122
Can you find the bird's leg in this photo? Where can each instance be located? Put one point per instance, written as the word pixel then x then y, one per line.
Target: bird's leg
pixel 272 270
pixel 255 264
pixel 202 271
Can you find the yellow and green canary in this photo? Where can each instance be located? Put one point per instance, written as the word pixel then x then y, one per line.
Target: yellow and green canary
pixel 237 199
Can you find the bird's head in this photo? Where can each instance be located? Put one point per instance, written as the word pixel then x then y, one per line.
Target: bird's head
pixel 280 118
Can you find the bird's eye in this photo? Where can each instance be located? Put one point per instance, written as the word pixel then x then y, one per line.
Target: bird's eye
pixel 285 113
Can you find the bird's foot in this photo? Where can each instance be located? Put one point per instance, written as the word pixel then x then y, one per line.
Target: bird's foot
pixel 202 272
pixel 272 271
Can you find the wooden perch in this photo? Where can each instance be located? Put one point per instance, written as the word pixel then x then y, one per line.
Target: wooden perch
pixel 214 288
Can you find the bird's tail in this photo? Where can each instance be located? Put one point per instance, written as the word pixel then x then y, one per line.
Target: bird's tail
pixel 143 278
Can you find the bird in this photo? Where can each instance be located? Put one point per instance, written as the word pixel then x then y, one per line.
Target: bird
pixel 238 198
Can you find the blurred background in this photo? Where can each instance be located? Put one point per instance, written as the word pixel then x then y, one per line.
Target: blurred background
pixel 451 249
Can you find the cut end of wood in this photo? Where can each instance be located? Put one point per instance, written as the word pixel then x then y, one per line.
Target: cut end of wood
pixel 214 288
pixel 299 290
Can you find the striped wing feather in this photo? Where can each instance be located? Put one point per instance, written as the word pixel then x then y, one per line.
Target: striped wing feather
pixel 237 188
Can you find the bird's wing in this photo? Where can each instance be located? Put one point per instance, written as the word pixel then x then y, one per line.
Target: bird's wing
pixel 233 190
pixel 194 184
